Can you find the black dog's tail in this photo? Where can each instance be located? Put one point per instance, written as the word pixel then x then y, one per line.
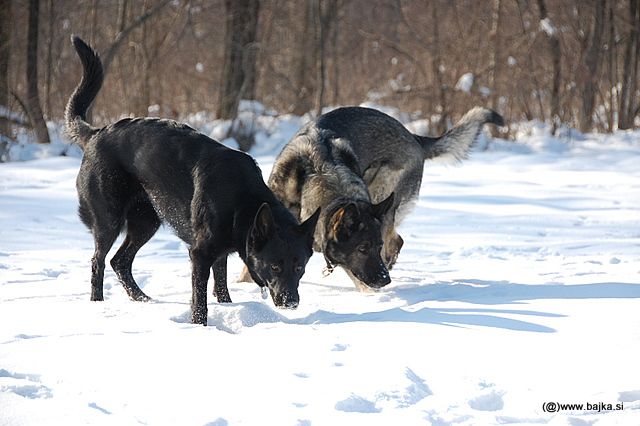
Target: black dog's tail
pixel 458 140
pixel 76 112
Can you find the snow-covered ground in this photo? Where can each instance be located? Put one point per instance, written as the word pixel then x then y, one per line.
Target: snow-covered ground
pixel 519 286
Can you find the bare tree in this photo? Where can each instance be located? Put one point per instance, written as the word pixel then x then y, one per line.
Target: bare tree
pixel 547 26
pixel 436 66
pixel 5 50
pixel 588 79
pixel 628 108
pixel 325 15
pixel 33 98
pixel 496 59
pixel 239 63
pixel 125 30
pixel 304 58
pixel 49 60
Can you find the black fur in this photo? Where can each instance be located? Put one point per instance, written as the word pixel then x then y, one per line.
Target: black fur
pixel 138 173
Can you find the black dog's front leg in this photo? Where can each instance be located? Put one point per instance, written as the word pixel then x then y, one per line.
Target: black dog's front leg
pixel 200 264
pixel 220 289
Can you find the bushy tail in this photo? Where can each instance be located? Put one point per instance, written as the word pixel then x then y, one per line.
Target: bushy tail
pixel 457 141
pixel 76 112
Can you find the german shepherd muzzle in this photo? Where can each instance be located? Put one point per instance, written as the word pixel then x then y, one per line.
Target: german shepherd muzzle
pixel 138 173
pixel 365 169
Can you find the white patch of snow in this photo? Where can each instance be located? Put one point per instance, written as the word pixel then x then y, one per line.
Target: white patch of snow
pixel 465 82
pixel 547 26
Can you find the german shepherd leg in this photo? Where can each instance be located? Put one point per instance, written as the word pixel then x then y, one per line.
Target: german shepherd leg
pixel 142 224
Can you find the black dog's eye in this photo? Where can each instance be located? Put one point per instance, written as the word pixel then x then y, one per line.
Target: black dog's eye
pixel 276 268
pixel 298 269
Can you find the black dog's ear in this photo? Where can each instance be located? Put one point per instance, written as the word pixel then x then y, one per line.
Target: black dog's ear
pixel 308 227
pixel 383 206
pixel 344 222
pixel 263 227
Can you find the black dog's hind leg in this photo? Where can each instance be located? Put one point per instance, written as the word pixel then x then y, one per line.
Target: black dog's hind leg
pixel 142 224
pixel 220 289
pixel 104 236
pixel 103 243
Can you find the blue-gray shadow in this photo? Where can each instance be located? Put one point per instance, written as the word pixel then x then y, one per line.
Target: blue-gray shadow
pixel 483 292
pixel 454 317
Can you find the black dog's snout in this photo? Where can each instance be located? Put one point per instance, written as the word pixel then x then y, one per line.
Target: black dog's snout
pixel 287 300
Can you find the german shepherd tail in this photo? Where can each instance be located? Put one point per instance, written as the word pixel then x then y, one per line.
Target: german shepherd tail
pixel 457 141
pixel 77 127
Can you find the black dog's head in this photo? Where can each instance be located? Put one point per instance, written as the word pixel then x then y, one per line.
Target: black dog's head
pixel 277 253
pixel 354 241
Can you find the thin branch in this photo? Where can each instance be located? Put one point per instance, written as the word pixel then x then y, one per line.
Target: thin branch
pixel 107 58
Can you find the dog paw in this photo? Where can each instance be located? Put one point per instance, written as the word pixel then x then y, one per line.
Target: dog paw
pixel 199 317
pixel 139 297
pixel 222 296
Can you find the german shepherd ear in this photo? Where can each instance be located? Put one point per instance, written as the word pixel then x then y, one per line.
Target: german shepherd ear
pixel 308 227
pixel 344 222
pixel 383 206
pixel 263 227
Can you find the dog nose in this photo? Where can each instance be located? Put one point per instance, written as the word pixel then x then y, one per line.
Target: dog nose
pixel 382 279
pixel 292 304
pixel 287 300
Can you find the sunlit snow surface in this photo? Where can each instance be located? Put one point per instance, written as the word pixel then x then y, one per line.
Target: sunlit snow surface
pixel 519 284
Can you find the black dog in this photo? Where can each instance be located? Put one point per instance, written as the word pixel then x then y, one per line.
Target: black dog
pixel 139 172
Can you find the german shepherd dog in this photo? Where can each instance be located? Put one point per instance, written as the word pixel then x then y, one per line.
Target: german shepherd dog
pixel 365 169
pixel 138 173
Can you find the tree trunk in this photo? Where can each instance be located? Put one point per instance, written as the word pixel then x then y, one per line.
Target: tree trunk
pixel 591 68
pixel 496 60
pixel 335 34
pixel 33 99
pixel 304 58
pixel 5 52
pixel 436 65
pixel 239 63
pixel 324 17
pixel 554 48
pixel 627 105
pixel 49 69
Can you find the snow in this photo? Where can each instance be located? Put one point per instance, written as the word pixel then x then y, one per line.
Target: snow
pixel 8 114
pixel 547 26
pixel 465 82
pixel 519 284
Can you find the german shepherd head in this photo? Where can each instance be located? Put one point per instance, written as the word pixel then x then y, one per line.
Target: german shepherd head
pixel 276 256
pixel 353 240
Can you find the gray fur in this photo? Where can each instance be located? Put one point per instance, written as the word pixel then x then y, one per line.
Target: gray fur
pixel 328 183
pixel 363 155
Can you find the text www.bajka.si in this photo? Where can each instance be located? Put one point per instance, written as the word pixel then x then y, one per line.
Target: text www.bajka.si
pixel 556 407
